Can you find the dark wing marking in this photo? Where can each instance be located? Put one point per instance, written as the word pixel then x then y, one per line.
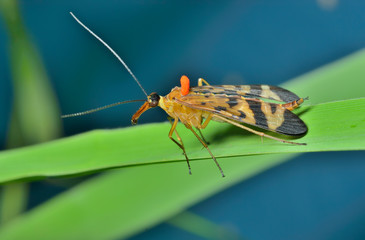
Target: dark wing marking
pixel 249 91
pixel 270 116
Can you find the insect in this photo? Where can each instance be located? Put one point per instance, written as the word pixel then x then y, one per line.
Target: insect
pixel 195 107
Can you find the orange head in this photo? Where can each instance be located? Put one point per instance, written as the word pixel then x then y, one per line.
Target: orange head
pixel 152 101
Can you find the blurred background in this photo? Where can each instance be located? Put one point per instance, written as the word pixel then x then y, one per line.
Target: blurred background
pixel 315 196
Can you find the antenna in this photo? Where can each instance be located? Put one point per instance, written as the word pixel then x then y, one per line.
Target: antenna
pixel 110 49
pixel 99 108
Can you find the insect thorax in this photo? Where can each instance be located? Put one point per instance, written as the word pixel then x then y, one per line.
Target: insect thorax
pixel 185 114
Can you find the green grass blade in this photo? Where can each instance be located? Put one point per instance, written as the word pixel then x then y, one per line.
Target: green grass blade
pixel 343 79
pixel 202 227
pixel 127 200
pixel 332 126
pixel 329 130
pixel 35 113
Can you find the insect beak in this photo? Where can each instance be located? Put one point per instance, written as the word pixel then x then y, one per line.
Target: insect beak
pixel 141 110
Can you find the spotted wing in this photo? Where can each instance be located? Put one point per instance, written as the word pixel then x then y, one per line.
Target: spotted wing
pixel 253 111
pixel 248 91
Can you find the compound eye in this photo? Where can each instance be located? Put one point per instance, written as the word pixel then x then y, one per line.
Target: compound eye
pixel 154 98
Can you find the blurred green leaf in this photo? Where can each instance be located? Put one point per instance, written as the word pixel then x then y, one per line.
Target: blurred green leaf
pixel 35 114
pixel 128 200
pixel 202 227
pixel 343 79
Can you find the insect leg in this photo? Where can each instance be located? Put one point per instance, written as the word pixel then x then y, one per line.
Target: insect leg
pixel 207 120
pixel 206 146
pixel 176 133
pixel 293 105
pixel 181 145
pixel 256 132
pixel 201 134
pixel 201 81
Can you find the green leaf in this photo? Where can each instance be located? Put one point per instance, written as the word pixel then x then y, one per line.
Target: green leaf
pixel 329 130
pixel 124 201
pixel 35 112
pixel 343 79
pixel 330 124
pixel 202 227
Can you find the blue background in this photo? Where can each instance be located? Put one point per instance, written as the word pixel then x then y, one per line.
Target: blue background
pixel 315 196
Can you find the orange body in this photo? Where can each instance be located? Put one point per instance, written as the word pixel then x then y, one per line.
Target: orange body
pixel 186 115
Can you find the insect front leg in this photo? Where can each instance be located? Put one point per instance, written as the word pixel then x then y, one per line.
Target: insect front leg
pixel 181 145
pixel 201 81
pixel 206 146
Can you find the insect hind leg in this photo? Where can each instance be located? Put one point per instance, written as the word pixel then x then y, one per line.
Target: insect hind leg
pixel 201 81
pixel 294 104
pixel 204 125
pixel 206 147
pixel 203 138
pixel 181 144
pixel 256 132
